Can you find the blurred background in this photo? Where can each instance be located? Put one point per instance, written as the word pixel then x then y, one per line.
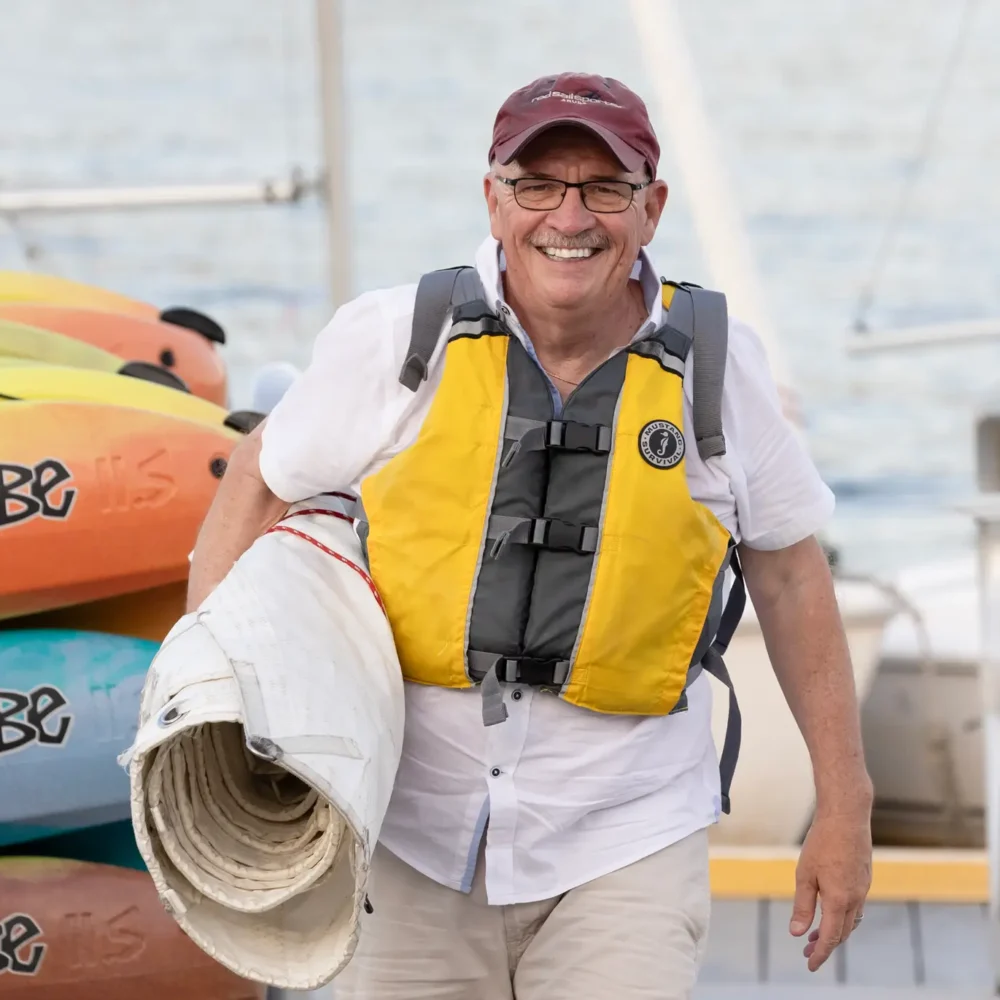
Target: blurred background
pixel 820 113
pixel 853 146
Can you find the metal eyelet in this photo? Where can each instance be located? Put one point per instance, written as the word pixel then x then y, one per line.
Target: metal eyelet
pixel 170 715
pixel 261 746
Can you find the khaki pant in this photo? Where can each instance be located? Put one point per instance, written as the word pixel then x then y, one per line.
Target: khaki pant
pixel 637 933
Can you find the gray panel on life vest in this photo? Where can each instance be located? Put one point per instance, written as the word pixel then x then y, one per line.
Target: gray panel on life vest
pixel 575 494
pixel 500 603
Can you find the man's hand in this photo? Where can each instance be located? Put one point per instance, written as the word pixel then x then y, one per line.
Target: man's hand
pixel 793 593
pixel 836 864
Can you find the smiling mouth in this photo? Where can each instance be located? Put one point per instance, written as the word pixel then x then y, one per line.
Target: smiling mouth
pixel 568 253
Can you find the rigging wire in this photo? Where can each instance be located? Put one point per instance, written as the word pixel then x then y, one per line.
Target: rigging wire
pixel 925 143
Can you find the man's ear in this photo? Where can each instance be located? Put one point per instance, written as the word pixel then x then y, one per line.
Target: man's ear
pixel 492 204
pixel 656 198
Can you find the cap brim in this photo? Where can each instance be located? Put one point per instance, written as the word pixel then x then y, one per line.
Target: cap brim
pixel 628 157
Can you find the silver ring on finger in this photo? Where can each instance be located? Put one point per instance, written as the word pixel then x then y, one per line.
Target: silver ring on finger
pixel 858 918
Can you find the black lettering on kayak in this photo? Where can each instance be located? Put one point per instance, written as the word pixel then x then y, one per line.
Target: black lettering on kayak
pixel 44 701
pixel 35 491
pixel 14 505
pixel 49 475
pixel 16 933
pixel 23 718
pixel 13 703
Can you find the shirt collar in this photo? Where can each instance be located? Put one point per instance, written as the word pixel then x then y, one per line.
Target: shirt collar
pixel 489 264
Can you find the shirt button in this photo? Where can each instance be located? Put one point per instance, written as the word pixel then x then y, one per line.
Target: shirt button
pixel 517 695
pixel 495 772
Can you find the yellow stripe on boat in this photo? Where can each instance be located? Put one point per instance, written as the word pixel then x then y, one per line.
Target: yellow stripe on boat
pixel 79 385
pixel 27 286
pixel 898 874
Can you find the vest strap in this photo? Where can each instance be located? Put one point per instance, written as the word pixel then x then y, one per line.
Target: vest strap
pixel 484 324
pixel 541 532
pixel 564 435
pixel 703 316
pixel 436 294
pixel 476 310
pixel 654 348
pixel 713 663
pixel 571 435
pixel 494 710
pixel 530 670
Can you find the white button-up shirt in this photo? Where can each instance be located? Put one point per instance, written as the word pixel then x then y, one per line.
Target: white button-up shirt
pixel 563 794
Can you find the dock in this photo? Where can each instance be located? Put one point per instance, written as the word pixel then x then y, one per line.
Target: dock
pixel 926 932
pixel 925 936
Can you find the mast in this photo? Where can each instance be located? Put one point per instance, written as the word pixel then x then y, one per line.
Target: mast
pixel 330 53
pixel 717 219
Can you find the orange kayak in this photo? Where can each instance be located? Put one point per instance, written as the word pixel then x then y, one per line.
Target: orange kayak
pixel 98 932
pixel 188 354
pixel 29 286
pixel 99 500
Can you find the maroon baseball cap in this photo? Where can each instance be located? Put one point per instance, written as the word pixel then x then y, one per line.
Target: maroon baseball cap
pixel 600 104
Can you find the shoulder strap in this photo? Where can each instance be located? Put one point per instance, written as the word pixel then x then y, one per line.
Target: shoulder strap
pixel 435 298
pixel 704 317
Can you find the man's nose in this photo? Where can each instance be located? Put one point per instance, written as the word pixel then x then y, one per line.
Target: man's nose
pixel 572 216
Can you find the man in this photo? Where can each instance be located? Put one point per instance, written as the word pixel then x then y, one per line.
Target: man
pixel 560 849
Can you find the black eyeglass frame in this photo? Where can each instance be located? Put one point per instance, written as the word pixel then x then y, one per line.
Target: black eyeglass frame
pixel 512 182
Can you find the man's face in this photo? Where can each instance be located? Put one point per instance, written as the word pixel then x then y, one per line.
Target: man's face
pixel 536 272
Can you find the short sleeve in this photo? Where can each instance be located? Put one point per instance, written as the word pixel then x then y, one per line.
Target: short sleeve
pixel 780 497
pixel 334 418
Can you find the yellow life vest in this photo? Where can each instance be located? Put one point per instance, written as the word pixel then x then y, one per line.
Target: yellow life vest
pixel 514 543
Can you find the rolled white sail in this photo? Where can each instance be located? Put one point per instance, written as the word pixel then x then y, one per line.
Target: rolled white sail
pixel 269 736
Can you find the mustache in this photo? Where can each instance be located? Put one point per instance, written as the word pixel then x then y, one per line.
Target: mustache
pixel 590 240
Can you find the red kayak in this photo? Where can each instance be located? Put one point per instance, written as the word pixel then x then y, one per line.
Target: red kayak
pixel 75 930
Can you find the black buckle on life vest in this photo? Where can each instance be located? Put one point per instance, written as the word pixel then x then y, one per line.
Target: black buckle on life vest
pixel 562 536
pixel 570 435
pixel 529 670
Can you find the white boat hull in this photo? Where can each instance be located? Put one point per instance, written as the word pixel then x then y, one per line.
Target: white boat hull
pixel 921 723
pixel 773 793
pixel 921 710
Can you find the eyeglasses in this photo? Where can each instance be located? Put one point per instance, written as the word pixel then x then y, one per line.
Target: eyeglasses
pixel 544 194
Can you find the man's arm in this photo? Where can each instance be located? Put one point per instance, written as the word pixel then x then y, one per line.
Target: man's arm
pixel 243 509
pixel 793 594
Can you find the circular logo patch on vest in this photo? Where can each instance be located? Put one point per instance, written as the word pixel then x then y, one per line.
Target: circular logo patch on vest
pixel 661 444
